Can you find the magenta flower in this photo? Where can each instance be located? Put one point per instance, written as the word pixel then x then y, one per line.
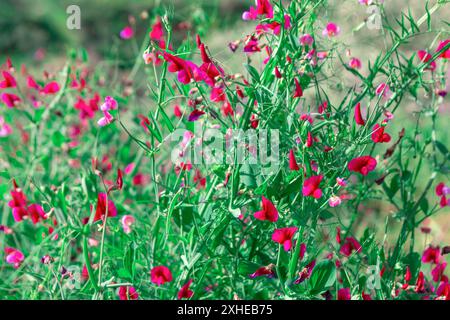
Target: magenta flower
pixel 101 207
pixel 363 165
pixel 5 129
pixel 306 40
pixel 354 63
pixel 378 134
pixel 284 237
pixel 127 33
pixel 311 187
pixel 106 119
pixel 185 292
pixel 425 57
pixel 14 257
pixel 431 255
pixel 160 275
pixel 36 212
pixel 344 294
pixel 10 99
pixel 350 245
pixel 331 30
pixel 8 81
pixel 50 88
pixel 109 104
pixel 268 212
pixel 127 293
pixel 446 53
pixel 267 271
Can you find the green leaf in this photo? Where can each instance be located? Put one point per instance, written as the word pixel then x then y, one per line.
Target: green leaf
pixel 322 277
pixel 128 259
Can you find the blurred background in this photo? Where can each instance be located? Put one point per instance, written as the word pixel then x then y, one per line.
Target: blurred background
pixel 35 33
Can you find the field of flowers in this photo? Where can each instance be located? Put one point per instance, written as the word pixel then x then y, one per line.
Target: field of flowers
pixel 268 149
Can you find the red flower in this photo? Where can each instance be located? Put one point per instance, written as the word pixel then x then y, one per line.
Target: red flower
pixel 306 272
pixel 127 293
pixel 8 81
pixel 185 292
pixel 50 88
pixel 420 284
pixel 431 255
pixel 446 53
pixel 311 187
pixel 363 165
pixel 292 162
pixel 425 57
pixel 350 245
pixel 35 212
pixel 101 207
pixel 10 99
pixel 378 135
pixel 298 89
pixel 358 116
pixel 344 294
pixel 268 212
pixel 284 236
pixel 160 275
pixel 438 272
pixel 264 271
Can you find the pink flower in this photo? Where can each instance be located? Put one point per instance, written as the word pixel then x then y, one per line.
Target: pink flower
pixel 383 90
pixel 442 191
pixel 14 257
pixel 101 207
pixel 311 187
pixel 431 255
pixel 425 57
pixel 268 212
pixel 35 212
pixel 350 245
pixel 106 119
pixel 354 63
pixel 363 165
pixel 252 45
pixel 8 81
pixel 185 292
pixel 263 8
pixel 306 40
pixel 284 237
pixel 127 33
pixel 331 30
pixel 127 222
pixel 10 99
pixel 438 272
pixel 160 275
pixel 341 182
pixel 446 53
pixel 344 294
pixel 109 104
pixel 18 204
pixel 334 201
pixel 127 293
pixel 378 134
pixel 50 88
pixel 5 129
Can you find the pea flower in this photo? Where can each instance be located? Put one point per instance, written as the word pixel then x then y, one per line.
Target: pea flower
pixel 14 257
pixel 311 187
pixel 446 53
pixel 425 57
pixel 10 99
pixel 284 237
pixel 334 201
pixel 362 165
pixel 8 81
pixel 101 207
pixel 331 30
pixel 127 222
pixel 127 293
pixel 292 162
pixel 5 129
pixel 378 134
pixel 350 245
pixel 431 255
pixel 185 292
pixel 160 275
pixel 268 212
pixel 127 33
